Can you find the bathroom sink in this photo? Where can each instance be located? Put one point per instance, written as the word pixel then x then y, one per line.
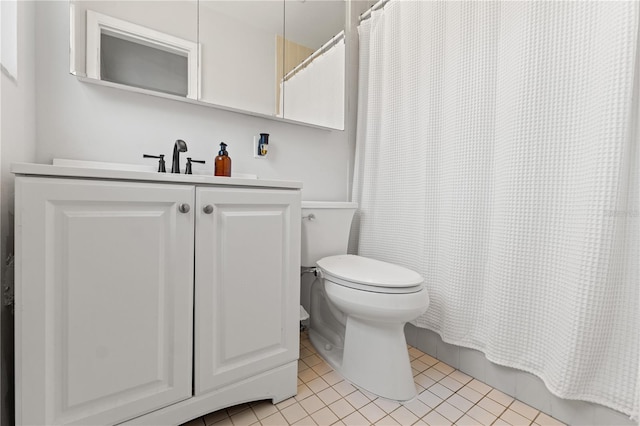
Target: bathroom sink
pixel 103 165
pixel 150 168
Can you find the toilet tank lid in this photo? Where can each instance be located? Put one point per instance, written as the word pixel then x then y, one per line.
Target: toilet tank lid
pixel 363 270
pixel 329 205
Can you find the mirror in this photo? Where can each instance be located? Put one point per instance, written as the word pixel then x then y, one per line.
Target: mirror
pixel 312 85
pixel 270 58
pixel 238 53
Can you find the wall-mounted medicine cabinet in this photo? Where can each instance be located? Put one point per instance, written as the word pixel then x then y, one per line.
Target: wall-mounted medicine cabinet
pixel 277 59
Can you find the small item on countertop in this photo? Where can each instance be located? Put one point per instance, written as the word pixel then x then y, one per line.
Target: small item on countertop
pixel 223 162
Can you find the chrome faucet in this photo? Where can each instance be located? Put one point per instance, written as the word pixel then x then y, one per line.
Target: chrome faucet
pixel 178 147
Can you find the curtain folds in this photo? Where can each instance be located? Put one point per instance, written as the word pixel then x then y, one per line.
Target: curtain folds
pixel 497 155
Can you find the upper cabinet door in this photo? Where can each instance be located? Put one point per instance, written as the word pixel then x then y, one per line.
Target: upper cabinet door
pixel 238 47
pixel 104 299
pixel 312 82
pixel 149 45
pixel 247 284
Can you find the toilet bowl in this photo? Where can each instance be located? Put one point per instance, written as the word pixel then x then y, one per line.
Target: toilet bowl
pixel 359 307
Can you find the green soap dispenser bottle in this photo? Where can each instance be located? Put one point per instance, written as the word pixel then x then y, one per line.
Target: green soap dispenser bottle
pixel 223 162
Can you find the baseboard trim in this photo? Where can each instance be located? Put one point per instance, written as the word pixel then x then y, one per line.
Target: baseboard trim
pixel 518 384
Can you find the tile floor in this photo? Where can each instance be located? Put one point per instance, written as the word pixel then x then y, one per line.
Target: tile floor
pixel 446 397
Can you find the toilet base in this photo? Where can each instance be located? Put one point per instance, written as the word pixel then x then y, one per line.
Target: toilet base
pixel 375 358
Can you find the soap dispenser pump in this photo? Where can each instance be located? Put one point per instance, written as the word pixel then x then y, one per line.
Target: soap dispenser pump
pixel 223 162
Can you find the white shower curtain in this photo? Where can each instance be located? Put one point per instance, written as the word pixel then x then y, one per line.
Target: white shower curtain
pixel 497 156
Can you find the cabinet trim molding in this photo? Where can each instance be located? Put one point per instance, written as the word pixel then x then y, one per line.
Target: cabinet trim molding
pixel 98 24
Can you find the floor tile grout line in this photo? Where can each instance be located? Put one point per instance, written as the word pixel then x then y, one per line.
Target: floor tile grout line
pixel 536 417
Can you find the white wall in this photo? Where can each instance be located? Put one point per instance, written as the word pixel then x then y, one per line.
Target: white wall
pixel 85 121
pixel 18 144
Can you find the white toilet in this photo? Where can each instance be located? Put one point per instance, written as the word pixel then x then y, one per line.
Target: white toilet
pixel 359 306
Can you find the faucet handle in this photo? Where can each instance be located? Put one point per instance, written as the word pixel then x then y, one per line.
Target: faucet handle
pixel 188 170
pixel 161 164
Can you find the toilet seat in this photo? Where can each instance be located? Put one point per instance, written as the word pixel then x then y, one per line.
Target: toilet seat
pixel 362 273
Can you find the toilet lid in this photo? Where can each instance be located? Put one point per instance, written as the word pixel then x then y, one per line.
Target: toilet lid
pixel 370 272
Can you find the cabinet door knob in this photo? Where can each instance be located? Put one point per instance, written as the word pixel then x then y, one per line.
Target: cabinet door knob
pixel 208 209
pixel 184 208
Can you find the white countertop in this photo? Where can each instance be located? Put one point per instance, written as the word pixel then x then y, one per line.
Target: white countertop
pixel 110 174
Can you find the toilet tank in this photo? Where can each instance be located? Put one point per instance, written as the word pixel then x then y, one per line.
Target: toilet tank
pixel 325 229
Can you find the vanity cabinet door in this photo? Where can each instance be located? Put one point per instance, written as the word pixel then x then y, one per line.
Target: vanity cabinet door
pixel 104 299
pixel 247 283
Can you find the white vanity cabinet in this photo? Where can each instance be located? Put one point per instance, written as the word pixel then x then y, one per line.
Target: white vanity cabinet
pixel 152 302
